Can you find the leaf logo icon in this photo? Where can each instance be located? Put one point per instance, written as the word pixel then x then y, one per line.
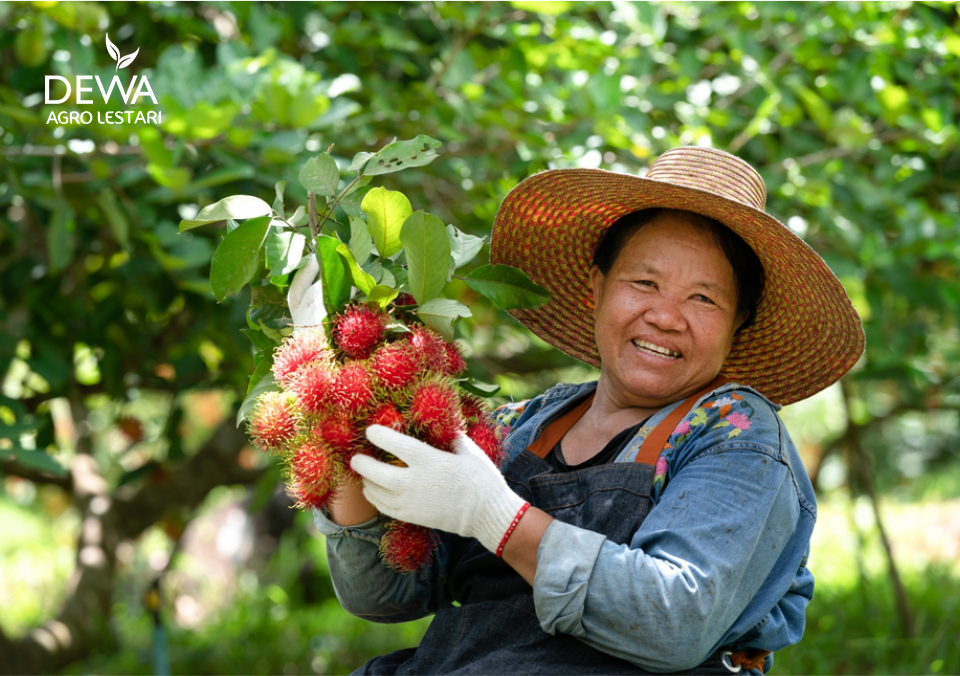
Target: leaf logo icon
pixel 115 53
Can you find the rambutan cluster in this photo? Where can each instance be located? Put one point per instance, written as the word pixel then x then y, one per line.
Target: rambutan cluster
pixel 399 377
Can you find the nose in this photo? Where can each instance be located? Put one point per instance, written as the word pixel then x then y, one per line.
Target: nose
pixel 666 315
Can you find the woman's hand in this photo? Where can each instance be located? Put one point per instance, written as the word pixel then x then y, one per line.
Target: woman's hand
pixel 461 492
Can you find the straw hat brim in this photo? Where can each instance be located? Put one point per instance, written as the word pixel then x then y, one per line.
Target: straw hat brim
pixel 806 333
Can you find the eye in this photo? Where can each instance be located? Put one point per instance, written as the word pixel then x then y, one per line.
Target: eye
pixel 646 282
pixel 704 299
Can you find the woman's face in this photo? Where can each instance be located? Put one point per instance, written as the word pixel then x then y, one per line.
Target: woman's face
pixel 665 313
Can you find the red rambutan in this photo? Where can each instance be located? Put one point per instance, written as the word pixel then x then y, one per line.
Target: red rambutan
pixel 273 423
pixel 406 547
pixel 430 348
pixel 314 475
pixel 301 348
pixel 387 415
pixel 313 386
pixel 486 438
pixel 358 331
pixel 455 364
pixel 405 299
pixel 473 409
pixel 435 411
pixel 353 390
pixel 337 433
pixel 395 365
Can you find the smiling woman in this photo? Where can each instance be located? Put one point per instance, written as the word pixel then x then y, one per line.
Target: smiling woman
pixel 658 519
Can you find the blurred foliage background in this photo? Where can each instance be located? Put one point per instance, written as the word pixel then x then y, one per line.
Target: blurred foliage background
pixel 139 533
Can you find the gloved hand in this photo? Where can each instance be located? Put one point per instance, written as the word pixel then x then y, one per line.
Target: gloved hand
pixel 305 297
pixel 461 492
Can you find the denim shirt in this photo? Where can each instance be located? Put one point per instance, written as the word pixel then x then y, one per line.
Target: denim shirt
pixel 720 560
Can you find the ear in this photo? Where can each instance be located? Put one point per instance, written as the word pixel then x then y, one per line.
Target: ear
pixel 596 283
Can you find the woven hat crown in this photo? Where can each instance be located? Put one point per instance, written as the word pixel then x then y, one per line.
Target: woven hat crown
pixel 713 171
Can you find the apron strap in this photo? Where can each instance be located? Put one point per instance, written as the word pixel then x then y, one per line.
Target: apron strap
pixel 653 445
pixel 554 432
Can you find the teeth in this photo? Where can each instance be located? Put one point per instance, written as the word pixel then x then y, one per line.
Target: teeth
pixel 650 347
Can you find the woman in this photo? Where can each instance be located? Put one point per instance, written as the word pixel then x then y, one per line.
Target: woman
pixel 658 519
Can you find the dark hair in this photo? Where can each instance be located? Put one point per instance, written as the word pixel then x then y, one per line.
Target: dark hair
pixel 748 273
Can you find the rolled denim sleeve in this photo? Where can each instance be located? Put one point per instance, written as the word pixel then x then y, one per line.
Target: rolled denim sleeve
pixel 366 587
pixel 666 601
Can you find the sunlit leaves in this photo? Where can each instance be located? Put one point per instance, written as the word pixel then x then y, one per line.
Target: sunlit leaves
pixel 386 212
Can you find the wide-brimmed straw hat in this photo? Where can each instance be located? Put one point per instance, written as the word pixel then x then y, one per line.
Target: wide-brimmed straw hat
pixel 806 334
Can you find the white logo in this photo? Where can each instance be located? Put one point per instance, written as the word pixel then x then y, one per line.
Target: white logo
pixel 137 89
pixel 115 53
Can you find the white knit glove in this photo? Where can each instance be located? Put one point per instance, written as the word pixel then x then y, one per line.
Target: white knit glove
pixel 305 297
pixel 461 492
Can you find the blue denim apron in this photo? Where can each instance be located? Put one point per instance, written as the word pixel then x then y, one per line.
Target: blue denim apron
pixel 495 629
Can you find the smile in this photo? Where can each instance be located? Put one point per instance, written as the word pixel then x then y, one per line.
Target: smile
pixel 644 346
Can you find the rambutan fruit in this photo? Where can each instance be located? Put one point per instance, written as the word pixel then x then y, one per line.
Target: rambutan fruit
pixel 406 547
pixel 430 348
pixel 486 438
pixel 337 433
pixel 387 415
pixel 352 389
pixel 472 408
pixel 358 331
pixel 404 299
pixel 455 363
pixel 273 423
pixel 395 365
pixel 435 412
pixel 301 348
pixel 314 475
pixel 313 386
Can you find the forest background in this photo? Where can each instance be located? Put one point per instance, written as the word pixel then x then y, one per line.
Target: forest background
pixel 140 533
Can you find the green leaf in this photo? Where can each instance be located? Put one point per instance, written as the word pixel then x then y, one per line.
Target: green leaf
pixel 265 384
pixel 463 247
pixel 398 155
pixel 386 211
pixel 268 307
pixel 237 207
pixel 261 342
pixel 61 242
pixel 39 460
pixel 235 260
pixel 818 109
pixel 551 7
pixel 359 160
pixel 320 175
pixel 507 286
pixel 427 249
pixel 278 189
pixel 284 252
pixel 382 295
pixel 115 217
pixel 361 243
pixel 336 275
pixel 480 389
pixel 361 279
pixel 440 313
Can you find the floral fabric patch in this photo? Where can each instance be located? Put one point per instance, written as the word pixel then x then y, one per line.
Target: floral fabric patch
pixel 727 416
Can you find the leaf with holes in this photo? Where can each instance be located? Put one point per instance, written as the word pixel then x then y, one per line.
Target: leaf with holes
pixel 399 155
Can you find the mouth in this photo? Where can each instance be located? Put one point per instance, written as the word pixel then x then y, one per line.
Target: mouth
pixel 657 350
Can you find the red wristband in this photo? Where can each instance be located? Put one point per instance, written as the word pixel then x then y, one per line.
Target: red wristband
pixel 513 524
